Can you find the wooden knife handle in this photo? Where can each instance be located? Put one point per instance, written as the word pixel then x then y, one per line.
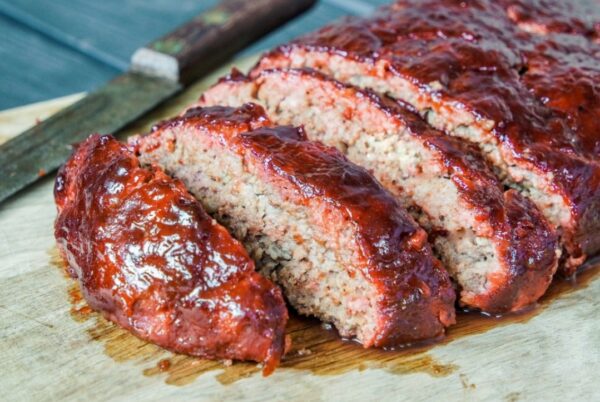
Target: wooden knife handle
pixel 212 37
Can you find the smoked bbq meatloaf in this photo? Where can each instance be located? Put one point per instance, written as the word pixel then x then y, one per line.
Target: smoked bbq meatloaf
pixel 581 17
pixel 495 73
pixel 496 244
pixel 340 246
pixel 149 258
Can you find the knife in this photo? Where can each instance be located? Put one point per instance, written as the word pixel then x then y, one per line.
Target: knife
pixel 157 72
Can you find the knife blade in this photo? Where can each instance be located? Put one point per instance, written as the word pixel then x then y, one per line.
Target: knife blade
pixel 158 71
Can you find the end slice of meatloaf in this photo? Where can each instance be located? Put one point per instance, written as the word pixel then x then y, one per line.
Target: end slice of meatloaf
pixel 474 73
pixel 149 258
pixel 496 244
pixel 340 246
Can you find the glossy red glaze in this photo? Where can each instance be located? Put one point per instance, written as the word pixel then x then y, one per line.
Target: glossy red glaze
pixel 416 297
pixel 580 17
pixel 416 293
pixel 541 91
pixel 526 242
pixel 150 259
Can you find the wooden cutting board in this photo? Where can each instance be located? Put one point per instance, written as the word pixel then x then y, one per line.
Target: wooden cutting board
pixel 53 348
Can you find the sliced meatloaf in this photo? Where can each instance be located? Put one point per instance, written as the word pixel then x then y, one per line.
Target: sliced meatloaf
pixel 579 17
pixel 149 258
pixel 465 67
pixel 496 244
pixel 340 245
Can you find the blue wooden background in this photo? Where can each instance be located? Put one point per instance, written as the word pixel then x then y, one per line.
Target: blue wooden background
pixel 51 48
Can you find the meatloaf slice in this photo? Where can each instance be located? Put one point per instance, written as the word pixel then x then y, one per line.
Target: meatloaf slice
pixel 460 64
pixel 496 245
pixel 149 258
pixel 578 17
pixel 340 246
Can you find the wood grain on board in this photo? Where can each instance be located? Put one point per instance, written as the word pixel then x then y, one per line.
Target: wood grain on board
pixel 53 348
pixel 321 14
pixel 112 29
pixel 55 48
pixel 34 67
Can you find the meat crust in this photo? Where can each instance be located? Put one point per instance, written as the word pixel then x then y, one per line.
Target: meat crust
pixel 528 97
pixel 578 17
pixel 149 258
pixel 523 256
pixel 376 278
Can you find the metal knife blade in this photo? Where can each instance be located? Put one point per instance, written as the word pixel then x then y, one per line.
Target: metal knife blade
pixel 44 147
pixel 158 72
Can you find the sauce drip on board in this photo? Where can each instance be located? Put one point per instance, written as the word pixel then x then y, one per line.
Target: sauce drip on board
pixel 315 348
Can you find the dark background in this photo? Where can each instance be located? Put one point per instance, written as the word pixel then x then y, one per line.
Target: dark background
pixel 52 48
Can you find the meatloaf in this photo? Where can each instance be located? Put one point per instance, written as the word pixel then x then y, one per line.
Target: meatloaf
pixel 528 97
pixel 580 17
pixel 149 258
pixel 340 246
pixel 496 244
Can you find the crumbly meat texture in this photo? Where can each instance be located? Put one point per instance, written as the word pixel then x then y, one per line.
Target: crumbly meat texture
pixel 339 245
pixel 497 245
pixel 150 259
pixel 529 100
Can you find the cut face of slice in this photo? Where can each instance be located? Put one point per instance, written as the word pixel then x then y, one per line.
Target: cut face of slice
pixel 474 73
pixel 149 258
pixel 340 246
pixel 497 245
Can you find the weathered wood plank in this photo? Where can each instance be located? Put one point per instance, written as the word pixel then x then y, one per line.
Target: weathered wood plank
pixel 108 30
pixel 35 68
pixel 112 30
pixel 318 16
